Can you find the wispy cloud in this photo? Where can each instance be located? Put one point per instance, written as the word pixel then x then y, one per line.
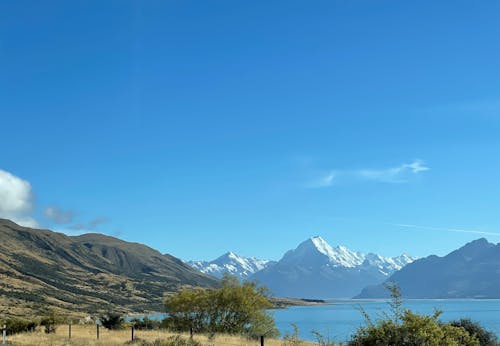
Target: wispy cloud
pixel 454 230
pixel 324 181
pixel 58 215
pixel 90 226
pixel 398 174
pixel 402 173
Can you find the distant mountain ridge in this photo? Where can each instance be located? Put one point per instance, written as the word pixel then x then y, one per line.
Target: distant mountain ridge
pixel 315 269
pixel 472 271
pixel 87 273
pixel 239 266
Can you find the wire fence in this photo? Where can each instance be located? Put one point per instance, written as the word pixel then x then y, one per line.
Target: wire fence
pixel 97 335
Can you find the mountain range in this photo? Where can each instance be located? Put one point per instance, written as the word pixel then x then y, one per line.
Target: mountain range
pixel 87 273
pixel 239 266
pixel 314 269
pixel 473 271
pixel 43 271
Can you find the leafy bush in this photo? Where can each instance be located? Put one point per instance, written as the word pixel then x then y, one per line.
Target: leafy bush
pixel 50 322
pixel 17 325
pixel 485 337
pixel 145 324
pixel 112 321
pixel 413 330
pixel 234 308
pixel 406 328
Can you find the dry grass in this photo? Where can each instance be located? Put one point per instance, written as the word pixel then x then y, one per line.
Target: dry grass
pixel 85 335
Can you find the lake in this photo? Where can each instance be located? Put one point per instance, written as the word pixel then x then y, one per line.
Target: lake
pixel 341 318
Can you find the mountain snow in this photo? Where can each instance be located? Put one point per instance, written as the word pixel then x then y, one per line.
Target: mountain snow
pixel 239 266
pixel 315 251
pixel 315 269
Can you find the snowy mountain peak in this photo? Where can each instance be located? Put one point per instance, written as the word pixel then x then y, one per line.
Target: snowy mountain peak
pixel 317 269
pixel 322 246
pixel 339 256
pixel 317 251
pixel 239 266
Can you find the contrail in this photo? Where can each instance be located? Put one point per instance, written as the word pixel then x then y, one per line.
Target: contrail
pixel 447 229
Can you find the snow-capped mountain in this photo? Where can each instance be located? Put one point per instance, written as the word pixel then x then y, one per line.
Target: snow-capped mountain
pixel 315 269
pixel 241 267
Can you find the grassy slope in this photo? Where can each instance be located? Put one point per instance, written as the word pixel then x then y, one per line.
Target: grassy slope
pixel 41 269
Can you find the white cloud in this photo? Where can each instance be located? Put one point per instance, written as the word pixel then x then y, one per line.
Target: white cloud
pixel 324 181
pixel 402 173
pixel 26 221
pixel 58 215
pixel 16 199
pixel 398 174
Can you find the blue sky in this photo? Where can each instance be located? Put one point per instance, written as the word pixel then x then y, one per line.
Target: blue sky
pixel 202 127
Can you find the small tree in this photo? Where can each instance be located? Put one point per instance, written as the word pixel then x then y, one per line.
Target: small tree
pixel 49 322
pixel 112 321
pixel 234 308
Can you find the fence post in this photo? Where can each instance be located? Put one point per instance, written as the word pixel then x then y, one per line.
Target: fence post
pixel 190 332
pixel 69 329
pixel 262 340
pixel 97 326
pixel 132 328
pixel 4 334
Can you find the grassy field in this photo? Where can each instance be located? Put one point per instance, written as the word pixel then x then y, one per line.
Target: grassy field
pixel 86 335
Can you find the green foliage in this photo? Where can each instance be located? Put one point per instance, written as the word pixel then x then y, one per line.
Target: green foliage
pixel 112 321
pixel 235 308
pixel 415 330
pixel 145 324
pixel 17 325
pixel 396 302
pixel 49 322
pixel 485 337
pixel 406 328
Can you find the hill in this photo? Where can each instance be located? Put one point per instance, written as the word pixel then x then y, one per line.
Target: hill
pixel 41 270
pixel 473 271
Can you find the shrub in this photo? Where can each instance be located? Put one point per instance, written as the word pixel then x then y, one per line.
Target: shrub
pixel 17 325
pixel 485 337
pixel 405 328
pixel 292 339
pixel 234 308
pixel 50 322
pixel 112 321
pixel 323 340
pixel 145 324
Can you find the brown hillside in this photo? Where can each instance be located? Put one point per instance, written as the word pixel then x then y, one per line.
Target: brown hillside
pixel 41 270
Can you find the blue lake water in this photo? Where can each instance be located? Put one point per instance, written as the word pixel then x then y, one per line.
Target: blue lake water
pixel 340 319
